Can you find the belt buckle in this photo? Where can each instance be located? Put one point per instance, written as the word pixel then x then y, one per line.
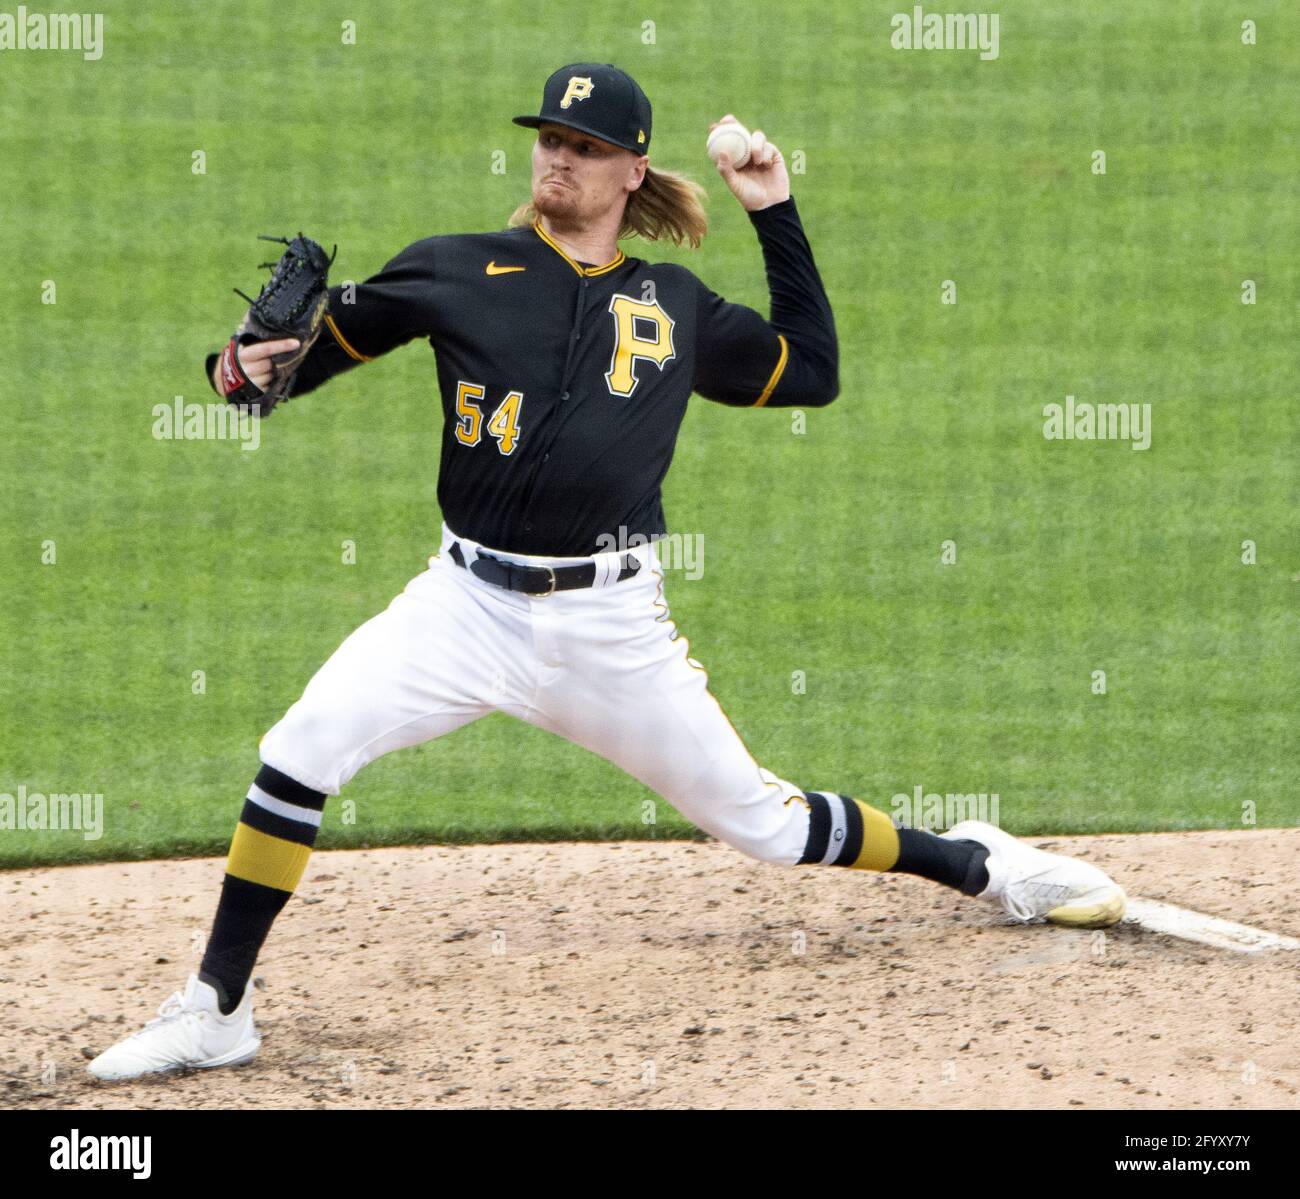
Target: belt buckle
pixel 551 591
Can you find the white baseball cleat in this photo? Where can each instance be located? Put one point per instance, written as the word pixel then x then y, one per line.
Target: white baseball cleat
pixel 189 1033
pixel 1031 883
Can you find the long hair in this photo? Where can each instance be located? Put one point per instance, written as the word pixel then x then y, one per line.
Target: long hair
pixel 667 204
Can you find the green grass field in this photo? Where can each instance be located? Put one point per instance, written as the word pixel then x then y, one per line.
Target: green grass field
pixel 822 548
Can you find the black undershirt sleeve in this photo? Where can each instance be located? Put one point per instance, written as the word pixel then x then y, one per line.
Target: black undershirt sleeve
pixel 793 358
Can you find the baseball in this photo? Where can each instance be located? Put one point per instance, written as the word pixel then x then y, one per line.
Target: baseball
pixel 731 138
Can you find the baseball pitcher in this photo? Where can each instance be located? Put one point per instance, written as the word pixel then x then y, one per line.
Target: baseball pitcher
pixel 565 367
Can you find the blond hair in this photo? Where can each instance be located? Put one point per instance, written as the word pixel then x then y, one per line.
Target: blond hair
pixel 667 204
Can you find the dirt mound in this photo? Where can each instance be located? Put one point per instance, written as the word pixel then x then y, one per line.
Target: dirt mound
pixel 665 975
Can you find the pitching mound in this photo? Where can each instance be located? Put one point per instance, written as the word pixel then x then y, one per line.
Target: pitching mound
pixel 666 975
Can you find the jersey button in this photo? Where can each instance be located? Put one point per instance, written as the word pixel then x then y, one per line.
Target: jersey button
pixel 565 396
pixel 546 457
pixel 528 528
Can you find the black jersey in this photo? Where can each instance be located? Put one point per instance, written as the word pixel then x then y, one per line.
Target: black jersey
pixel 564 384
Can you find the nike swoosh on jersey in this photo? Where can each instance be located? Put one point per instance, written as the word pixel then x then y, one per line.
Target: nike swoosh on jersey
pixel 493 269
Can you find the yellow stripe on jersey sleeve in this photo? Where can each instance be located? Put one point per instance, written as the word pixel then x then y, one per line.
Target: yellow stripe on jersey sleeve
pixel 776 373
pixel 343 341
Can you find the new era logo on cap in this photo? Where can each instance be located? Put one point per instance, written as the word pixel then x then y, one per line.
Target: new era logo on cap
pixel 599 99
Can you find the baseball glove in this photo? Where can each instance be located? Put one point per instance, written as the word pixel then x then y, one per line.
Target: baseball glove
pixel 292 303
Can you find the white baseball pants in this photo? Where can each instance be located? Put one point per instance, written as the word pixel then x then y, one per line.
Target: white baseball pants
pixel 602 666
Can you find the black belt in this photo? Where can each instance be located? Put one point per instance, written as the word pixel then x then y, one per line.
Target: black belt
pixel 537 580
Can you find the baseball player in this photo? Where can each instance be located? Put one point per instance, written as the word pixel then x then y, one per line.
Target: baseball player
pixel 564 368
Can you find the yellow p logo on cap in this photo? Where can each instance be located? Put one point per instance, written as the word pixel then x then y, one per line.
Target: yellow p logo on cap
pixel 580 87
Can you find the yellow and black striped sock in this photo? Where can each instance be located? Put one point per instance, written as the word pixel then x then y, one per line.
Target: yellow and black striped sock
pixel 272 842
pixel 843 831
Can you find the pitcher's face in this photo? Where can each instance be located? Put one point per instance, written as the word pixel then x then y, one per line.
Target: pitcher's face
pixel 578 178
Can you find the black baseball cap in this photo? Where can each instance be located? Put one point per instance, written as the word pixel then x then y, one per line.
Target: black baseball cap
pixel 599 99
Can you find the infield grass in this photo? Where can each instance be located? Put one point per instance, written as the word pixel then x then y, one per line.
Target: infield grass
pixel 822 547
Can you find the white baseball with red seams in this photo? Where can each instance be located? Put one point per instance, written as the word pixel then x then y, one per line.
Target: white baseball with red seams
pixel 603 667
pixel 733 139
